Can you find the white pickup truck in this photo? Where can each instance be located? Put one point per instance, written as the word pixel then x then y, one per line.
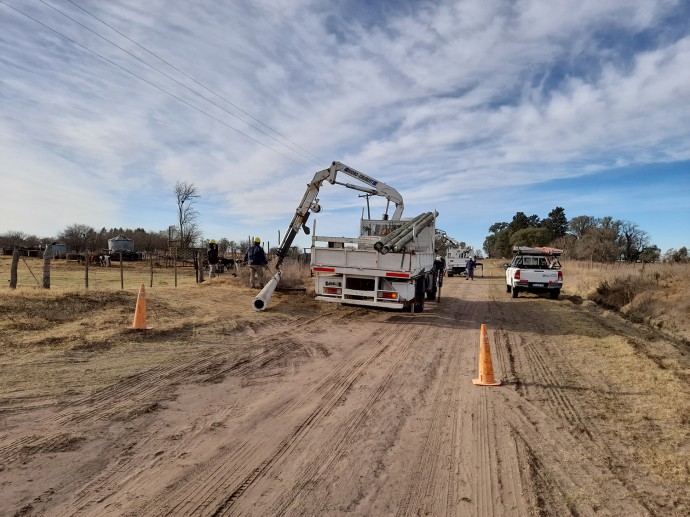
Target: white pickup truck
pixel 535 270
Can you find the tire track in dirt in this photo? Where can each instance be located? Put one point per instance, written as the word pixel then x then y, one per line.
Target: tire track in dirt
pixel 345 432
pixel 430 488
pixel 564 484
pixel 468 463
pixel 227 484
pixel 136 464
pixel 428 481
pixel 129 398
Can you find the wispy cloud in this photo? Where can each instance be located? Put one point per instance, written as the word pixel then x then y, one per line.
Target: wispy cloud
pixel 446 101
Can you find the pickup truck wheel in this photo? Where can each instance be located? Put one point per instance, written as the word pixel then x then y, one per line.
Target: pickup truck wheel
pixel 507 288
pixel 554 294
pixel 515 292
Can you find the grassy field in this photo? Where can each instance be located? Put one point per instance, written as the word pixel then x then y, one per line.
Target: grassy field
pixel 69 275
pixel 654 294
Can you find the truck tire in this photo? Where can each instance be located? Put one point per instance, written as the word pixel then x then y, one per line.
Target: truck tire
pixel 515 292
pixel 554 293
pixel 507 288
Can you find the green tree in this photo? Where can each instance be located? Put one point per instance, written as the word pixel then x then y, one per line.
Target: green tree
pixel 650 254
pixel 556 223
pixel 680 255
pixel 580 224
pixel 531 237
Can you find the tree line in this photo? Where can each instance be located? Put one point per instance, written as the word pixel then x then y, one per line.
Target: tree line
pixel 582 238
pixel 81 238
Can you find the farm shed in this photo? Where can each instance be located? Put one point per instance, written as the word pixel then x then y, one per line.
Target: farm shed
pixel 59 250
pixel 120 243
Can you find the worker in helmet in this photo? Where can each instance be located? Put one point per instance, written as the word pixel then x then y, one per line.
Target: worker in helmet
pixel 212 256
pixel 256 258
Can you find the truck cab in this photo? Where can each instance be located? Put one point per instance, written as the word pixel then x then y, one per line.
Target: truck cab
pixel 535 270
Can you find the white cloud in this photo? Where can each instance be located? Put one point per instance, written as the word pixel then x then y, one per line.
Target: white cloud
pixel 462 97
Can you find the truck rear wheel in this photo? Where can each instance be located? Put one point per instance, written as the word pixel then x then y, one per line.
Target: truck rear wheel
pixel 507 288
pixel 515 292
pixel 553 294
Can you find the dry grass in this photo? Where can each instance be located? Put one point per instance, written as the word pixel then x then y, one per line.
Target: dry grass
pixel 50 338
pixel 654 294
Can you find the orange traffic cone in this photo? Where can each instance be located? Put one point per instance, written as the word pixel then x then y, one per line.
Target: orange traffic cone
pixel 140 311
pixel 486 370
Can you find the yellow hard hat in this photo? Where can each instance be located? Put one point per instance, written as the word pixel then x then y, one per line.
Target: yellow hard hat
pixel 212 241
pixel 257 239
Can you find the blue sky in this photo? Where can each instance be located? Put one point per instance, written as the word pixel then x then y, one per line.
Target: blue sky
pixel 478 109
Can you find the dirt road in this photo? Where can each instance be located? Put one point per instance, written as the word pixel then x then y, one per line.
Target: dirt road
pixel 349 411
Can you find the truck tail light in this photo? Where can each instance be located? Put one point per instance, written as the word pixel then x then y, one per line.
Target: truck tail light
pixel 332 290
pixel 395 274
pixel 517 274
pixel 387 295
pixel 560 276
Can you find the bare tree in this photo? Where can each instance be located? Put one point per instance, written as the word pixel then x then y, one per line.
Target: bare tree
pixel 79 237
pixel 634 240
pixel 186 193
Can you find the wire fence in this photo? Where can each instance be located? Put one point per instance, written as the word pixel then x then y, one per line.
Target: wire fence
pixel 112 275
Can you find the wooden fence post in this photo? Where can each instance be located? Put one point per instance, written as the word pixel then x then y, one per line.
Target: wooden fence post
pixel 200 263
pixel 86 268
pixel 151 283
pixel 47 257
pixel 13 268
pixel 122 273
pixel 175 267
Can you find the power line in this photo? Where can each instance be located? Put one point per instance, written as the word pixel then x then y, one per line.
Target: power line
pixel 193 80
pixel 148 82
pixel 178 82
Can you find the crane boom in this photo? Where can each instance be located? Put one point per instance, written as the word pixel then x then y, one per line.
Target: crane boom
pixel 310 203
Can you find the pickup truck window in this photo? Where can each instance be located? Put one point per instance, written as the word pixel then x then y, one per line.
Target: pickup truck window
pixel 531 262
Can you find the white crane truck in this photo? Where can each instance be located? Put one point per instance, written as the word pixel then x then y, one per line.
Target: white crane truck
pixel 457 256
pixel 378 270
pixel 389 264
pixel 535 270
